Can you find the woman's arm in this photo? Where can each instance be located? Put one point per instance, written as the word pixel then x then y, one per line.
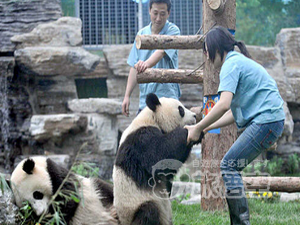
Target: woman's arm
pixel 221 107
pixel 224 121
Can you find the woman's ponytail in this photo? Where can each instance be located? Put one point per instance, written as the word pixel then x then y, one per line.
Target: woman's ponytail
pixel 243 48
pixel 220 40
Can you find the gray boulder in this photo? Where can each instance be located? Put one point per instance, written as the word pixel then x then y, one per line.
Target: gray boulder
pixel 270 59
pixel 95 105
pixel 66 31
pixel 117 59
pixel 288 41
pixel 55 127
pixel 50 61
pixel 102 122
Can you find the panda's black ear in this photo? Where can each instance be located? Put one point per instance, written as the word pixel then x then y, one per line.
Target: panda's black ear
pixel 152 101
pixel 28 166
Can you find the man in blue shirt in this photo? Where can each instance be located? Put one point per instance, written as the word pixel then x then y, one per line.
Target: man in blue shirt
pixel 140 60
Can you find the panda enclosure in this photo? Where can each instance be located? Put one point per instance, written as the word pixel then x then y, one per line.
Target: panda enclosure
pixel 223 13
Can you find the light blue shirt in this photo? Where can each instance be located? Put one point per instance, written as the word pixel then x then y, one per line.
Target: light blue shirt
pixel 169 61
pixel 256 97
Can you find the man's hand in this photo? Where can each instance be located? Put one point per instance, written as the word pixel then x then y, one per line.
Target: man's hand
pixel 125 106
pixel 141 66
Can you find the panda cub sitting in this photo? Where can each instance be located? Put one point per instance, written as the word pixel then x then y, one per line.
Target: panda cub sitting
pixel 37 179
pixel 154 136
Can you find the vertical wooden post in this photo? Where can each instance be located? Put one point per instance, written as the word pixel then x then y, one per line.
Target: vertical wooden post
pixel 214 146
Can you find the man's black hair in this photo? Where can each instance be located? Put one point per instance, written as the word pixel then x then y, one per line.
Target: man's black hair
pixel 168 2
pixel 220 40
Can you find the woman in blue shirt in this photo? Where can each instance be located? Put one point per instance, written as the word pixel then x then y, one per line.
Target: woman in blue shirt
pixel 249 97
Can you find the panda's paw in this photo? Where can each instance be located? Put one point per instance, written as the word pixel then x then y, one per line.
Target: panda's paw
pixel 192 143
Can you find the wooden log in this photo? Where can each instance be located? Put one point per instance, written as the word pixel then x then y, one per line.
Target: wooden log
pixel 280 184
pixel 217 6
pixel 170 76
pixel 169 42
pixel 215 146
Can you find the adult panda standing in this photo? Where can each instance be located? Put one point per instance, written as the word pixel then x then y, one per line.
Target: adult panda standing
pixel 37 179
pixel 154 136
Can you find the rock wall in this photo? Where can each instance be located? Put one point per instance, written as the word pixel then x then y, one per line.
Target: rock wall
pixel 50 119
pixel 15 109
pixel 49 57
pixel 19 17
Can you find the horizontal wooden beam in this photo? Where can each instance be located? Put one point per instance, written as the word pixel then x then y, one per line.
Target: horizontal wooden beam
pixel 170 76
pixel 280 184
pixel 169 42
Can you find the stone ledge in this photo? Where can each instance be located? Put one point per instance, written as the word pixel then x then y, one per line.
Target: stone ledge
pixel 53 61
pixel 96 105
pixel 46 127
pixel 66 31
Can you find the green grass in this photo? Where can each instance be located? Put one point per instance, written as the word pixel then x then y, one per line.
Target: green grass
pixel 260 213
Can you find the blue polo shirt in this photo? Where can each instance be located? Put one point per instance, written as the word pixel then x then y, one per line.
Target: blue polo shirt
pixel 169 61
pixel 256 97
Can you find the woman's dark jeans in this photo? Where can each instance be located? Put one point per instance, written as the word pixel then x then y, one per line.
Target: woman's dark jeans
pixel 254 139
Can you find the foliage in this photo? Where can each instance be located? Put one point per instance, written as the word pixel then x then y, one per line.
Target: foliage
pixel 293 163
pixel 259 21
pixel 68 7
pixel 26 214
pixel 85 169
pixel 275 167
pixel 3 184
pixel 183 197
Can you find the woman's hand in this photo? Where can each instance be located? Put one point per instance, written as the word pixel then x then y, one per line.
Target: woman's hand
pixel 194 132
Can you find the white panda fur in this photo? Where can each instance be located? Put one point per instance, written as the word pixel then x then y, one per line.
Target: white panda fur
pixel 166 118
pixel 131 194
pixel 29 177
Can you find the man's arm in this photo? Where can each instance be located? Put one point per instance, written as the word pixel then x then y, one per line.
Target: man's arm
pixel 141 66
pixel 131 83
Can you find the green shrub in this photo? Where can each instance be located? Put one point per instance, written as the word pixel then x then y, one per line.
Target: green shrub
pixel 293 164
pixel 85 169
pixel 275 166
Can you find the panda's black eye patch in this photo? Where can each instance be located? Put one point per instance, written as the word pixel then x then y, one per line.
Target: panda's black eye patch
pixel 38 195
pixel 181 111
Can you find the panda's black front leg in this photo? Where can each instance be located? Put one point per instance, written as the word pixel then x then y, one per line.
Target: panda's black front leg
pixel 147 214
pixel 155 147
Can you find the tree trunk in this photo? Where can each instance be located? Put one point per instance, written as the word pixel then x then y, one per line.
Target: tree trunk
pixel 170 76
pixel 281 184
pixel 214 146
pixel 169 42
